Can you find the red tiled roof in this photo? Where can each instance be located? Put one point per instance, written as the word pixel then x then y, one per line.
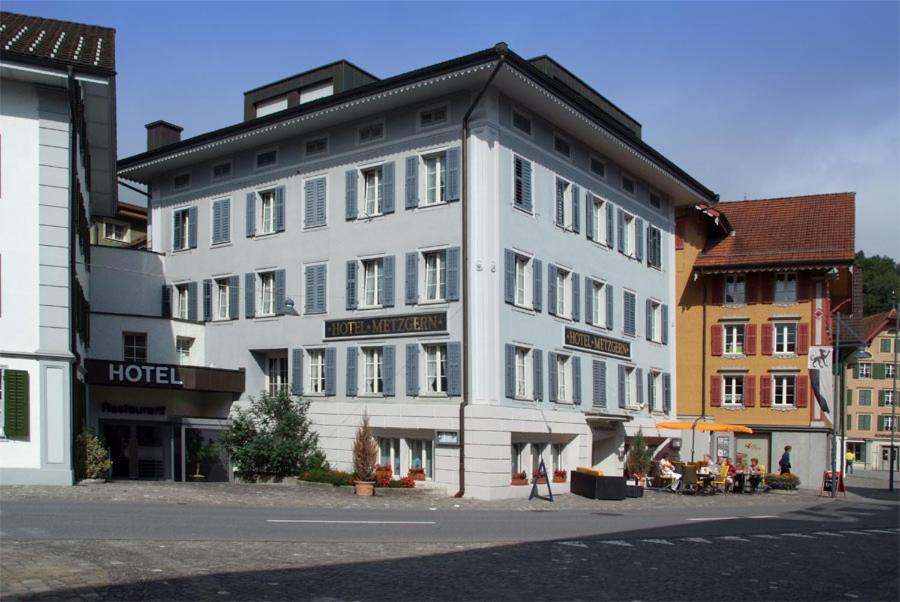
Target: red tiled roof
pixel 85 47
pixel 790 230
pixel 874 324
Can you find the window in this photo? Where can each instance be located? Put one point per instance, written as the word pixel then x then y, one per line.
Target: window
pixel 522 280
pixel 654 321
pixel 865 397
pixel 277 375
pixel 864 422
pixel 273 105
pixel 885 423
pixel 117 231
pixel 222 309
pixel 182 181
pixel 654 247
pixel 266 294
pixel 865 370
pixel 784 389
pixel 564 193
pixel 598 304
pixel 371 133
pixel 517 457
pixel 435 179
pixel 656 391
pixel 183 349
pixel 316 91
pixel 436 369
pixel 733 339
pixel 734 290
pixel 598 216
pixel 420 455
pixel 628 185
pixel 888 396
pixel 181 229
pixel 135 347
pixel 316 146
pixel 435 275
pixel 522 183
pixel 732 390
pixel 785 338
pixel 316 371
pixel 372 179
pixel 373 272
pixel 557 451
pixel 521 122
pixel 655 201
pixel 598 167
pixel 563 279
pixel 221 170
pixel 885 345
pixel 890 370
pixel 434 116
pixel 267 212
pixel 267 158
pixel 630 392
pixel 390 454
pixel 785 288
pixel 182 301
pixel 373 383
pixel 563 378
pixel 562 146
pixel 630 242
pixel 521 373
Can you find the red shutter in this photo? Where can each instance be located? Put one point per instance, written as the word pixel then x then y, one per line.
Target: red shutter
pixel 718 290
pixel 750 339
pixel 804 287
pixel 802 392
pixel 715 335
pixel 751 288
pixel 766 339
pixel 715 391
pixel 749 391
pixel 679 233
pixel 802 338
pixel 765 391
pixel 767 286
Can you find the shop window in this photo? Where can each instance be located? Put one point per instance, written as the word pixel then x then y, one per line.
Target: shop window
pixel 277 375
pixel 390 454
pixel 421 453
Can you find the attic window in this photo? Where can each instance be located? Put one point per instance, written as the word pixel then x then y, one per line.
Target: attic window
pixel 598 167
pixel 181 181
pixel 317 146
pixel 655 200
pixel 266 158
pixel 628 185
pixel 520 122
pixel 434 116
pixel 221 170
pixel 562 146
pixel 371 132
pixel 316 91
pixel 267 107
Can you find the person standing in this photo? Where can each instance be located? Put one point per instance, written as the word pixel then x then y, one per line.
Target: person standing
pixel 850 457
pixel 785 462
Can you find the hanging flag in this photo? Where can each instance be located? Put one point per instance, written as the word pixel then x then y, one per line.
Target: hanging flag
pixel 821 374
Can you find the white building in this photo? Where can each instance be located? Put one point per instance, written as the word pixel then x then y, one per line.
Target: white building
pixel 57 141
pixel 478 254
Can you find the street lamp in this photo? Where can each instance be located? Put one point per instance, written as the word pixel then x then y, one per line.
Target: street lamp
pixel 892 454
pixel 859 353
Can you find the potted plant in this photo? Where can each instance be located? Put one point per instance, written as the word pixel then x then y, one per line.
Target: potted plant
pixel 538 478
pixel 365 453
pixel 559 476
pixel 384 474
pixel 93 458
pixel 520 478
pixel 416 473
pixel 638 462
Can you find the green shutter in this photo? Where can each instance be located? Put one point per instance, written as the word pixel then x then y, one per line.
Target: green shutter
pixel 15 395
pixel 849 423
pixel 849 397
pixel 881 401
pixel 865 397
pixel 855 370
pixel 885 345
pixel 864 422
pixel 878 371
pixel 881 423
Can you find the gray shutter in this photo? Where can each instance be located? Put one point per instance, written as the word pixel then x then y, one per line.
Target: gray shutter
pixel 351 202
pixel 509 271
pixel 639 385
pixel 651 394
pixel 649 319
pixel 250 294
pixel 388 369
pixel 192 301
pixel 610 226
pixel 226 220
pixel 192 227
pixel 387 188
pixel 207 300
pixel 309 277
pixel 638 239
pixel 387 281
pixel 412 369
pixel 330 371
pixel 537 289
pixel 412 182
pixel 576 297
pixel 621 230
pixel 621 386
pixel 321 201
pixel 667 392
pixel 628 302
pixel 279 209
pixel 599 397
pixel 560 205
pixel 537 361
pixel 610 306
pixel 351 284
pixel 166 301
pixel 321 287
pixel 309 203
pixel 588 300
pixel 576 379
pixel 217 221
pixel 551 289
pixel 452 274
pixel 576 208
pixel 176 230
pixel 454 369
pixel 352 356
pixel 526 185
pixel 296 372
pixel 412 278
pixel 234 287
pixel 664 326
pixel 279 291
pixel 453 175
pixel 589 214
pixel 251 214
pixel 510 371
pixel 551 374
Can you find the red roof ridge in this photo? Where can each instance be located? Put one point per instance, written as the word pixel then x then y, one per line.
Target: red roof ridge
pixel 875 323
pixel 792 198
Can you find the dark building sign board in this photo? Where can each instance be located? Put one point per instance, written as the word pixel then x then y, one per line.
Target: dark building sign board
pixel 386 325
pixel 598 343
pixel 164 376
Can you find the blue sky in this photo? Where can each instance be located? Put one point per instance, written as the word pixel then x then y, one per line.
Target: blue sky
pixel 755 100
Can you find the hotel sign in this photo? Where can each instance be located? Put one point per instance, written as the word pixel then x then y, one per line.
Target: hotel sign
pixel 386 326
pixel 164 376
pixel 598 343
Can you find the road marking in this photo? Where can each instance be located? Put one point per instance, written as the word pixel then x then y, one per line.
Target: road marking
pixel 696 540
pixel 765 536
pixel 803 535
pixel 856 532
pixel 881 531
pixel 715 518
pixel 574 544
pixel 615 542
pixel 827 533
pixel 763 516
pixel 732 538
pixel 354 522
pixel 659 541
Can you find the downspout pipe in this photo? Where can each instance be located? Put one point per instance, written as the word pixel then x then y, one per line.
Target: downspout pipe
pixel 502 50
pixel 72 93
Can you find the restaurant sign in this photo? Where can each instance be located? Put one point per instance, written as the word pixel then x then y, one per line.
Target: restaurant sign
pixel 598 343
pixel 386 326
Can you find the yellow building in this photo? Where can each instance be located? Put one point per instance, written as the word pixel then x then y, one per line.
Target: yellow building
pixel 870 396
pixel 127 229
pixel 757 282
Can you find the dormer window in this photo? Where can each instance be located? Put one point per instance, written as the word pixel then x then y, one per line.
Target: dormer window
pixel 273 105
pixel 316 91
pixel 371 133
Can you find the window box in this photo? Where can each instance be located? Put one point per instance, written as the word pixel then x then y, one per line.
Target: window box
pixel 538 479
pixel 559 476
pixel 519 478
pixel 416 474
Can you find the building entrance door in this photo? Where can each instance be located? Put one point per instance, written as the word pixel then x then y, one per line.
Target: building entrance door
pixel 136 450
pixel 885 460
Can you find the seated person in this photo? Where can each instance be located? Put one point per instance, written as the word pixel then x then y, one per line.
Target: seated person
pixel 708 465
pixel 756 474
pixel 729 476
pixel 740 474
pixel 667 469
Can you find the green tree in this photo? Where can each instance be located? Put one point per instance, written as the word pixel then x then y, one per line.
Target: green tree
pixel 272 437
pixel 639 456
pixel 881 277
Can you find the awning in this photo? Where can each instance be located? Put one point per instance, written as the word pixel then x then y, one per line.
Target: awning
pixel 652 432
pixel 604 417
pixel 705 426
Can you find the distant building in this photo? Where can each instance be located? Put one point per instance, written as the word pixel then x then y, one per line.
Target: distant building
pixel 128 228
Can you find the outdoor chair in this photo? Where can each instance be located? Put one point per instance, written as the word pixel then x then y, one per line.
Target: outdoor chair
pixel 721 482
pixel 689 478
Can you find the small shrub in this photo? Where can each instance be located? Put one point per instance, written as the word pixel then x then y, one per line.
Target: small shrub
pixel 788 481
pixel 522 475
pixel 407 482
pixel 383 476
pixel 325 475
pixel 639 456
pixel 93 457
pixel 365 452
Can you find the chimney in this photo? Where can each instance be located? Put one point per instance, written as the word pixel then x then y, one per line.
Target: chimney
pixel 162 133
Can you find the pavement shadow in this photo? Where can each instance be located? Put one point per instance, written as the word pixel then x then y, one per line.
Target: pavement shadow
pixel 875 493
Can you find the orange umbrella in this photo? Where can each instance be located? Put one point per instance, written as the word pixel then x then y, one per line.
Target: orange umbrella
pixel 706 426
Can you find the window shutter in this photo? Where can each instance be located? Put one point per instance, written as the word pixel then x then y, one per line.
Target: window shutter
pixel 802 391
pixel 648 308
pixel 537 289
pixel 856 370
pixel 551 290
pixel 321 201
pixel 526 184
pixel 321 287
pixel 715 391
pixel 279 291
pixel 576 297
pixel 621 231
pixel 412 182
pixel 651 394
pixel 192 301
pixel 715 339
pixel 453 175
pixel 576 208
pixel 388 369
pixel 679 233
pixel 510 371
pixel 176 231
pixel 249 295
pixel 192 227
pixel 881 401
pixel 766 340
pixel 234 287
pixel 351 284
pixel 166 301
pixel 803 338
pixel 767 286
pixel 639 385
pixel 667 392
pixel 207 300
pixel 588 300
pixel 509 272
pixel 310 289
pixel 849 397
pixel 610 306
pixel 452 274
pixel 454 369
pixel 751 288
pixel 804 287
pixel 765 391
pixel 279 209
pixel 560 206
pixel 351 371
pixel 610 229
pixel 749 391
pixel 412 369
pixel 330 371
pixel 387 188
pixel 350 199
pixel 552 373
pixel 226 220
pixel 296 372
pixel 717 292
pixel 412 278
pixel 388 281
pixel 878 371
pixel 576 379
pixel 217 221
pixel 881 424
pixel 16 396
pixel 630 314
pixel 590 210
pixel 664 314
pixel 621 386
pixel 251 214
pixel 537 364
pixel 638 239
pixel 750 339
pixel 597 366
pixel 309 203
